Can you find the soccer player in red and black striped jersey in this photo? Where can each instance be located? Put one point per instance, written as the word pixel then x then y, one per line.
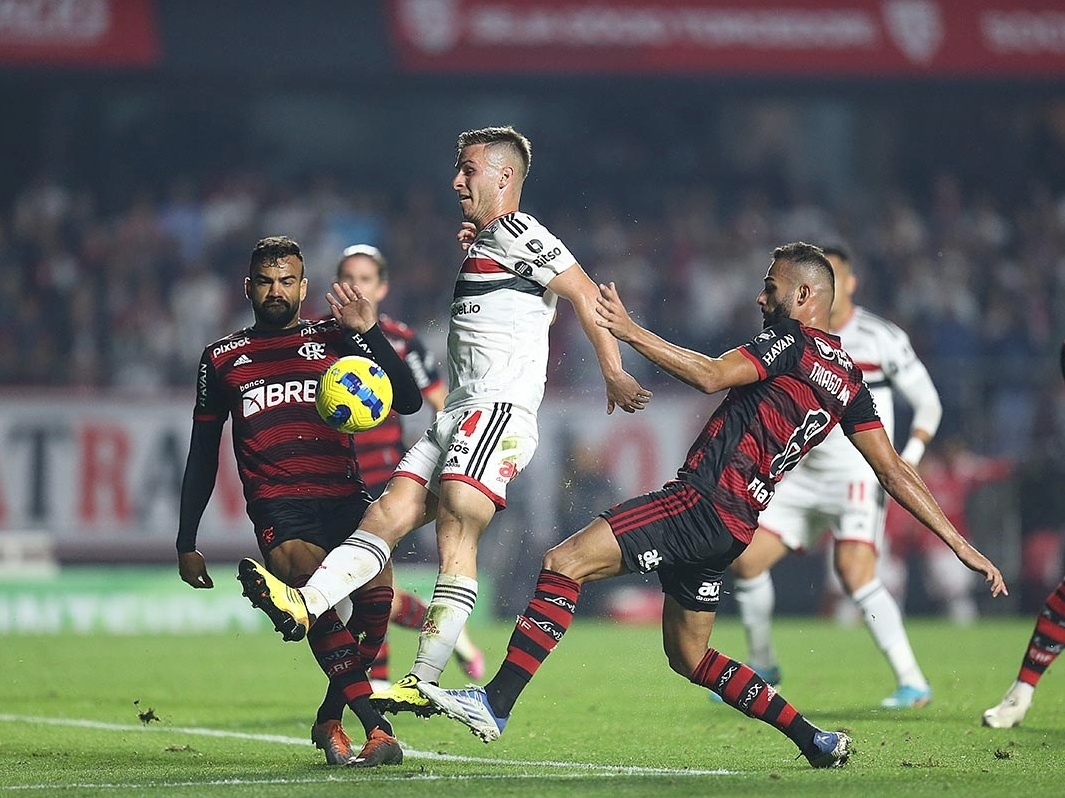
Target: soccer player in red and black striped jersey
pixel 381 448
pixel 788 387
pixel 301 478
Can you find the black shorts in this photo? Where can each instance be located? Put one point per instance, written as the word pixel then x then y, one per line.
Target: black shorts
pixel 678 533
pixel 324 522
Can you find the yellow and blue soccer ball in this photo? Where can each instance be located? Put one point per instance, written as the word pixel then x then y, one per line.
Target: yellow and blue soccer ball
pixel 354 394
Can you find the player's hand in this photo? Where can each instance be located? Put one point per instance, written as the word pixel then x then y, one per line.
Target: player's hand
pixel 352 310
pixel 612 313
pixel 466 235
pixel 625 392
pixel 976 561
pixel 193 569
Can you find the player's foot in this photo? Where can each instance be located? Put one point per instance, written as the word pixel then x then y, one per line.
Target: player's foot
pixel 770 674
pixel 380 749
pixel 1011 710
pixel 284 605
pixel 908 697
pixel 331 738
pixel 403 696
pixel 469 706
pixel 830 750
pixel 469 657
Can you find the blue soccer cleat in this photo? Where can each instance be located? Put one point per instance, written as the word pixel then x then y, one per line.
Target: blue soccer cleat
pixel 469 706
pixel 831 750
pixel 908 697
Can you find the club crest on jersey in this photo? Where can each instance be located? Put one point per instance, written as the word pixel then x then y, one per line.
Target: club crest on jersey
pixel 312 350
pixel 829 352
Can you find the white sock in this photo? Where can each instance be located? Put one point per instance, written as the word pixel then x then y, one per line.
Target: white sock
pixel 446 615
pixel 1022 691
pixel 344 570
pixel 755 598
pixel 882 616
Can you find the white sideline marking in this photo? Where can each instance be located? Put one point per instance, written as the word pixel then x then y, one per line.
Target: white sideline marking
pixel 602 770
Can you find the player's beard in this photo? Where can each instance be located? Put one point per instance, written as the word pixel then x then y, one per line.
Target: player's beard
pixel 277 314
pixel 779 313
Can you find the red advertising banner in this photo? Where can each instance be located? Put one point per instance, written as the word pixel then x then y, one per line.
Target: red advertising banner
pixel 103 33
pixel 831 38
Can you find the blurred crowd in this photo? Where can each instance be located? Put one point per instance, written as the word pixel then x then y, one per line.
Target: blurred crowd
pixel 127 297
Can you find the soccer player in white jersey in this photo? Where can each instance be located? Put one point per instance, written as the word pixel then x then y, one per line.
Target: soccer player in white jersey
pixel 835 489
pixel 503 305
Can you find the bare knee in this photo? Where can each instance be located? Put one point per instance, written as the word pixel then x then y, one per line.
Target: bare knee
pixel 557 560
pixel 855 565
pixel 764 551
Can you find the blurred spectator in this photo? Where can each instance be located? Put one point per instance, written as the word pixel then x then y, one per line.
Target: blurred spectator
pixel 953 472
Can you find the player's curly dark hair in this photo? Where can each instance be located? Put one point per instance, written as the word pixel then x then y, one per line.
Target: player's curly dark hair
pixel 271 250
pixel 813 264
pixel 507 135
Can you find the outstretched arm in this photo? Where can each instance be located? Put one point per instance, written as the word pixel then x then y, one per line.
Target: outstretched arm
pixel 622 389
pixel 901 481
pixel 357 317
pixel 702 372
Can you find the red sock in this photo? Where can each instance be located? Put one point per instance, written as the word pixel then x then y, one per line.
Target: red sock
pixel 371 606
pixel 1047 640
pixel 408 610
pixel 537 632
pixel 740 687
pixel 379 667
pixel 337 652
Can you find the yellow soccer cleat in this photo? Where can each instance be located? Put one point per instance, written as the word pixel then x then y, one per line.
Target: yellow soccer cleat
pixel 403 696
pixel 284 605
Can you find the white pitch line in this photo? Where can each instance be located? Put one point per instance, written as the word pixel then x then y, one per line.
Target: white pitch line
pixel 621 770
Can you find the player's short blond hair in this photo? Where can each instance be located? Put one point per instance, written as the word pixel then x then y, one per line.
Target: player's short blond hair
pixel 504 136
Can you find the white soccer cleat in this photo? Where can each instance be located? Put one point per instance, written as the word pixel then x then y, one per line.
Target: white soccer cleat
pixel 1011 710
pixel 469 706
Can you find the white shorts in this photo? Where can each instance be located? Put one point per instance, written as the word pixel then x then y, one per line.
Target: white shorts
pixel 485 446
pixel 806 505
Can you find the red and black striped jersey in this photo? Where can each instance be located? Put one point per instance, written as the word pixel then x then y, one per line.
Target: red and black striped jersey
pixel 266 380
pixel 807 385
pixel 381 448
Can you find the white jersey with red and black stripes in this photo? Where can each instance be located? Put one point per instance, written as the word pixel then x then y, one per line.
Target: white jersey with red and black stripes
pixel 501 313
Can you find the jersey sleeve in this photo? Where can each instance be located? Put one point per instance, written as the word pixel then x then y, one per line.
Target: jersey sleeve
pixel 422 364
pixel 775 350
pixel 535 252
pixel 908 375
pixel 407 395
pixel 860 413
pixel 210 399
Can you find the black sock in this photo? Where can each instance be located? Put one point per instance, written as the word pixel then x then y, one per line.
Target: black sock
pixel 369 717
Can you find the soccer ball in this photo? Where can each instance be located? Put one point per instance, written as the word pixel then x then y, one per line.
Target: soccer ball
pixel 354 394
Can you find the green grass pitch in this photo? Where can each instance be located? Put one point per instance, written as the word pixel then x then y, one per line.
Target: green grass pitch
pixel 605 716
